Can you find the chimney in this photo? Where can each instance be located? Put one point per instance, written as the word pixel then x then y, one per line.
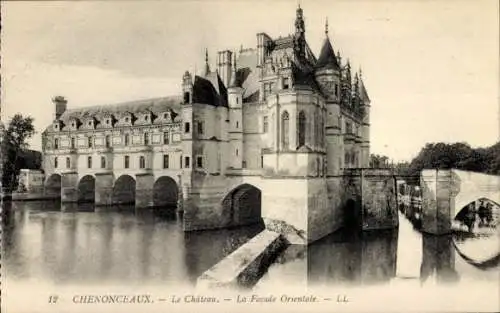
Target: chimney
pixel 224 64
pixel 60 104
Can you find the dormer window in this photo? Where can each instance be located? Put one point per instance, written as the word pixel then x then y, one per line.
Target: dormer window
pixel 126 119
pixel 146 117
pixel 107 121
pixel 56 126
pixel 165 115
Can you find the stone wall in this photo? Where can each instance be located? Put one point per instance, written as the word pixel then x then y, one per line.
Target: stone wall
pixel 379 200
pixel 245 266
pixel 322 208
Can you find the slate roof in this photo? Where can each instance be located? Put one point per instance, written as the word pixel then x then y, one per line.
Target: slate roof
pixel 155 105
pixel 209 90
pixel 247 74
pixel 363 92
pixel 327 58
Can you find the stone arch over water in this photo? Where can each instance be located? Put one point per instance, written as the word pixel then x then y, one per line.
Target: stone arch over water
pixel 124 190
pixel 53 185
pixel 165 192
pixel 243 205
pixel 482 211
pixel 86 189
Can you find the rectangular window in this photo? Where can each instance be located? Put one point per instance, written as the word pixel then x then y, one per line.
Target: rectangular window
pixel 89 142
pixel 72 142
pixel 180 161
pixel 336 90
pixel 186 162
pixel 200 128
pixel 103 162
pixel 244 164
pixel 265 124
pixel 166 138
pixel 165 161
pixel 126 161
pixel 68 163
pixel 199 161
pixel 146 139
pixel 286 83
pixel 187 127
pixel 55 162
pixel 108 141
pixel 89 162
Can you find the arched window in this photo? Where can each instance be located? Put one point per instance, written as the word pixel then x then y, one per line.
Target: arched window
pixel 68 163
pixel 103 162
pixel 285 129
pixel 142 162
pixel 302 128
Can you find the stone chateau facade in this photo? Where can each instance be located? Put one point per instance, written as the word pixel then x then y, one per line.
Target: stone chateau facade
pixel 269 132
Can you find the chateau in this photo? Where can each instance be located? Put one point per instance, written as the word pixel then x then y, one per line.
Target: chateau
pixel 270 132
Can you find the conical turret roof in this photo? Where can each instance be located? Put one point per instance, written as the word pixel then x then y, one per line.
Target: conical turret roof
pixel 327 58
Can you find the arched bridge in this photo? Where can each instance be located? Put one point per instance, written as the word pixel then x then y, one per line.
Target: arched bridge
pixel 446 192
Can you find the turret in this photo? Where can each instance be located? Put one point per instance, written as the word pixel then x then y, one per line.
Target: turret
pixel 365 111
pixel 328 69
pixel 235 101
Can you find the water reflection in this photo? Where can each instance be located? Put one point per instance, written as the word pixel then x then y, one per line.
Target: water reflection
pixel 73 243
pixel 438 259
pixel 353 258
pixel 371 258
pixel 82 244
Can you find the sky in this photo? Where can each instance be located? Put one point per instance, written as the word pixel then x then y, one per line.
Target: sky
pixel 431 68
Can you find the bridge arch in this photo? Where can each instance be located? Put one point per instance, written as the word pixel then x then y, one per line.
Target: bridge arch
pixel 483 210
pixel 243 204
pixel 124 190
pixel 86 189
pixel 53 185
pixel 165 192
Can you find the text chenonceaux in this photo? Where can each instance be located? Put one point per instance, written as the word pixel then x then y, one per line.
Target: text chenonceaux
pixel 105 299
pixel 145 299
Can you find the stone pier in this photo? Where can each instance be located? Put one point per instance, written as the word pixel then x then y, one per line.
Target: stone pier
pixel 104 189
pixel 69 187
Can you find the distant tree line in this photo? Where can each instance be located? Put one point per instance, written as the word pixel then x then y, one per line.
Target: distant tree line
pixel 445 156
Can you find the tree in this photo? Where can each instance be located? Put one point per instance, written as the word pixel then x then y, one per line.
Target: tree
pixel 14 143
pixel 456 155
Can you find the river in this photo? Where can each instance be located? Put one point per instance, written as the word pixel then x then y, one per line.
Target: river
pixel 80 245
